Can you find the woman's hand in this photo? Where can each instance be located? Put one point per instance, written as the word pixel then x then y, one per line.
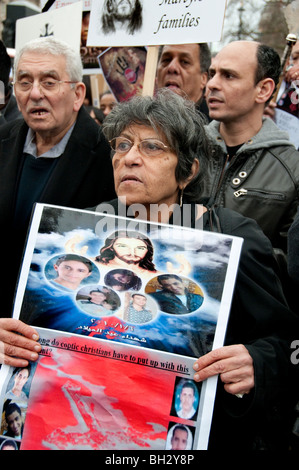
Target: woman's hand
pixel 18 343
pixel 234 365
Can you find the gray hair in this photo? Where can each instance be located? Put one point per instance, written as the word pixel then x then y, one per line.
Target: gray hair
pixel 56 47
pixel 173 117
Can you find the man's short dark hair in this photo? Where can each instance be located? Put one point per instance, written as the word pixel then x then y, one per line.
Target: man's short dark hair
pixel 70 257
pixel 11 408
pixel 165 277
pixel 140 295
pixel 189 384
pixel 179 427
pixel 204 57
pixel 268 65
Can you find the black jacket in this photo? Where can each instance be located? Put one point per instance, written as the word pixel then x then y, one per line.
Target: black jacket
pixel 293 248
pixel 261 320
pixel 261 181
pixel 82 177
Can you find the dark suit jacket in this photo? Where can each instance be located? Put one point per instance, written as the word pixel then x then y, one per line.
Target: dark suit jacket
pixel 82 178
pixel 10 112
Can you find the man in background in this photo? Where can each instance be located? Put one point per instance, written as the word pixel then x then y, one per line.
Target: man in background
pixel 254 168
pixel 184 69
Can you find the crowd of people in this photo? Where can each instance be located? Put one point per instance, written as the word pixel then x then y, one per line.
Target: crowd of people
pixel 212 148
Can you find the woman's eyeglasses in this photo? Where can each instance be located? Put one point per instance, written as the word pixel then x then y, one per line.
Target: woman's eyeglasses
pixel 147 147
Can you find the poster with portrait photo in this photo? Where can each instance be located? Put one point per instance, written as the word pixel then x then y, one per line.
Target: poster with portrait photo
pixel 106 396
pixel 14 398
pixel 185 280
pixel 144 23
pixel 123 69
pixel 110 350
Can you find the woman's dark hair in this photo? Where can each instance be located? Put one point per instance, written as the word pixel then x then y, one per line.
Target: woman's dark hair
pixel 177 120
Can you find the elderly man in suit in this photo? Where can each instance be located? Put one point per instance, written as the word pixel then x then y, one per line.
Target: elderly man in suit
pixel 56 154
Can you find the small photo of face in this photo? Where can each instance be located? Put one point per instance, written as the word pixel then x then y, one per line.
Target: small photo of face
pixel 175 294
pixel 69 271
pixel 98 300
pixel 122 280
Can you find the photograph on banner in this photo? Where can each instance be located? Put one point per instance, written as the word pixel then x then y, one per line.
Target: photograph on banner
pixel 52 23
pixel 15 393
pixel 106 396
pixel 161 287
pixel 144 23
pixel 123 69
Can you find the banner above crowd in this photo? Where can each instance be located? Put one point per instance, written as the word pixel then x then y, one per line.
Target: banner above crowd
pixel 140 23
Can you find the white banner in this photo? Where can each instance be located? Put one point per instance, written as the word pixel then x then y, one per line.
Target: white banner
pixel 155 22
pixel 64 23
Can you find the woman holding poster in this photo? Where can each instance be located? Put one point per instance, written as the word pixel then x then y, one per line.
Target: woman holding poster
pixel 159 149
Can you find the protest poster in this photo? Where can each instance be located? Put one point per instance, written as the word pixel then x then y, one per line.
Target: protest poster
pixel 144 23
pixel 52 23
pixel 123 69
pixel 88 54
pixel 118 344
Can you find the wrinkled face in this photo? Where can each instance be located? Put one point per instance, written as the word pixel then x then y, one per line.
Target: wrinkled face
pixel 72 271
pixel 173 285
pixel 145 179
pixel 187 398
pixel 179 440
pixel 179 69
pixel 231 90
pixel 130 250
pixel 49 113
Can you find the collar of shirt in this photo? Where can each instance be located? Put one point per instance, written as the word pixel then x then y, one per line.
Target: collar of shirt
pixel 54 152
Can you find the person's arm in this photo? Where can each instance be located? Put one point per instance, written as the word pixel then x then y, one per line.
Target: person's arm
pixel 18 343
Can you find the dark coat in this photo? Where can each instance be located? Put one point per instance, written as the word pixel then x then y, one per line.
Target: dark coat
pixel 82 177
pixel 293 247
pixel 261 320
